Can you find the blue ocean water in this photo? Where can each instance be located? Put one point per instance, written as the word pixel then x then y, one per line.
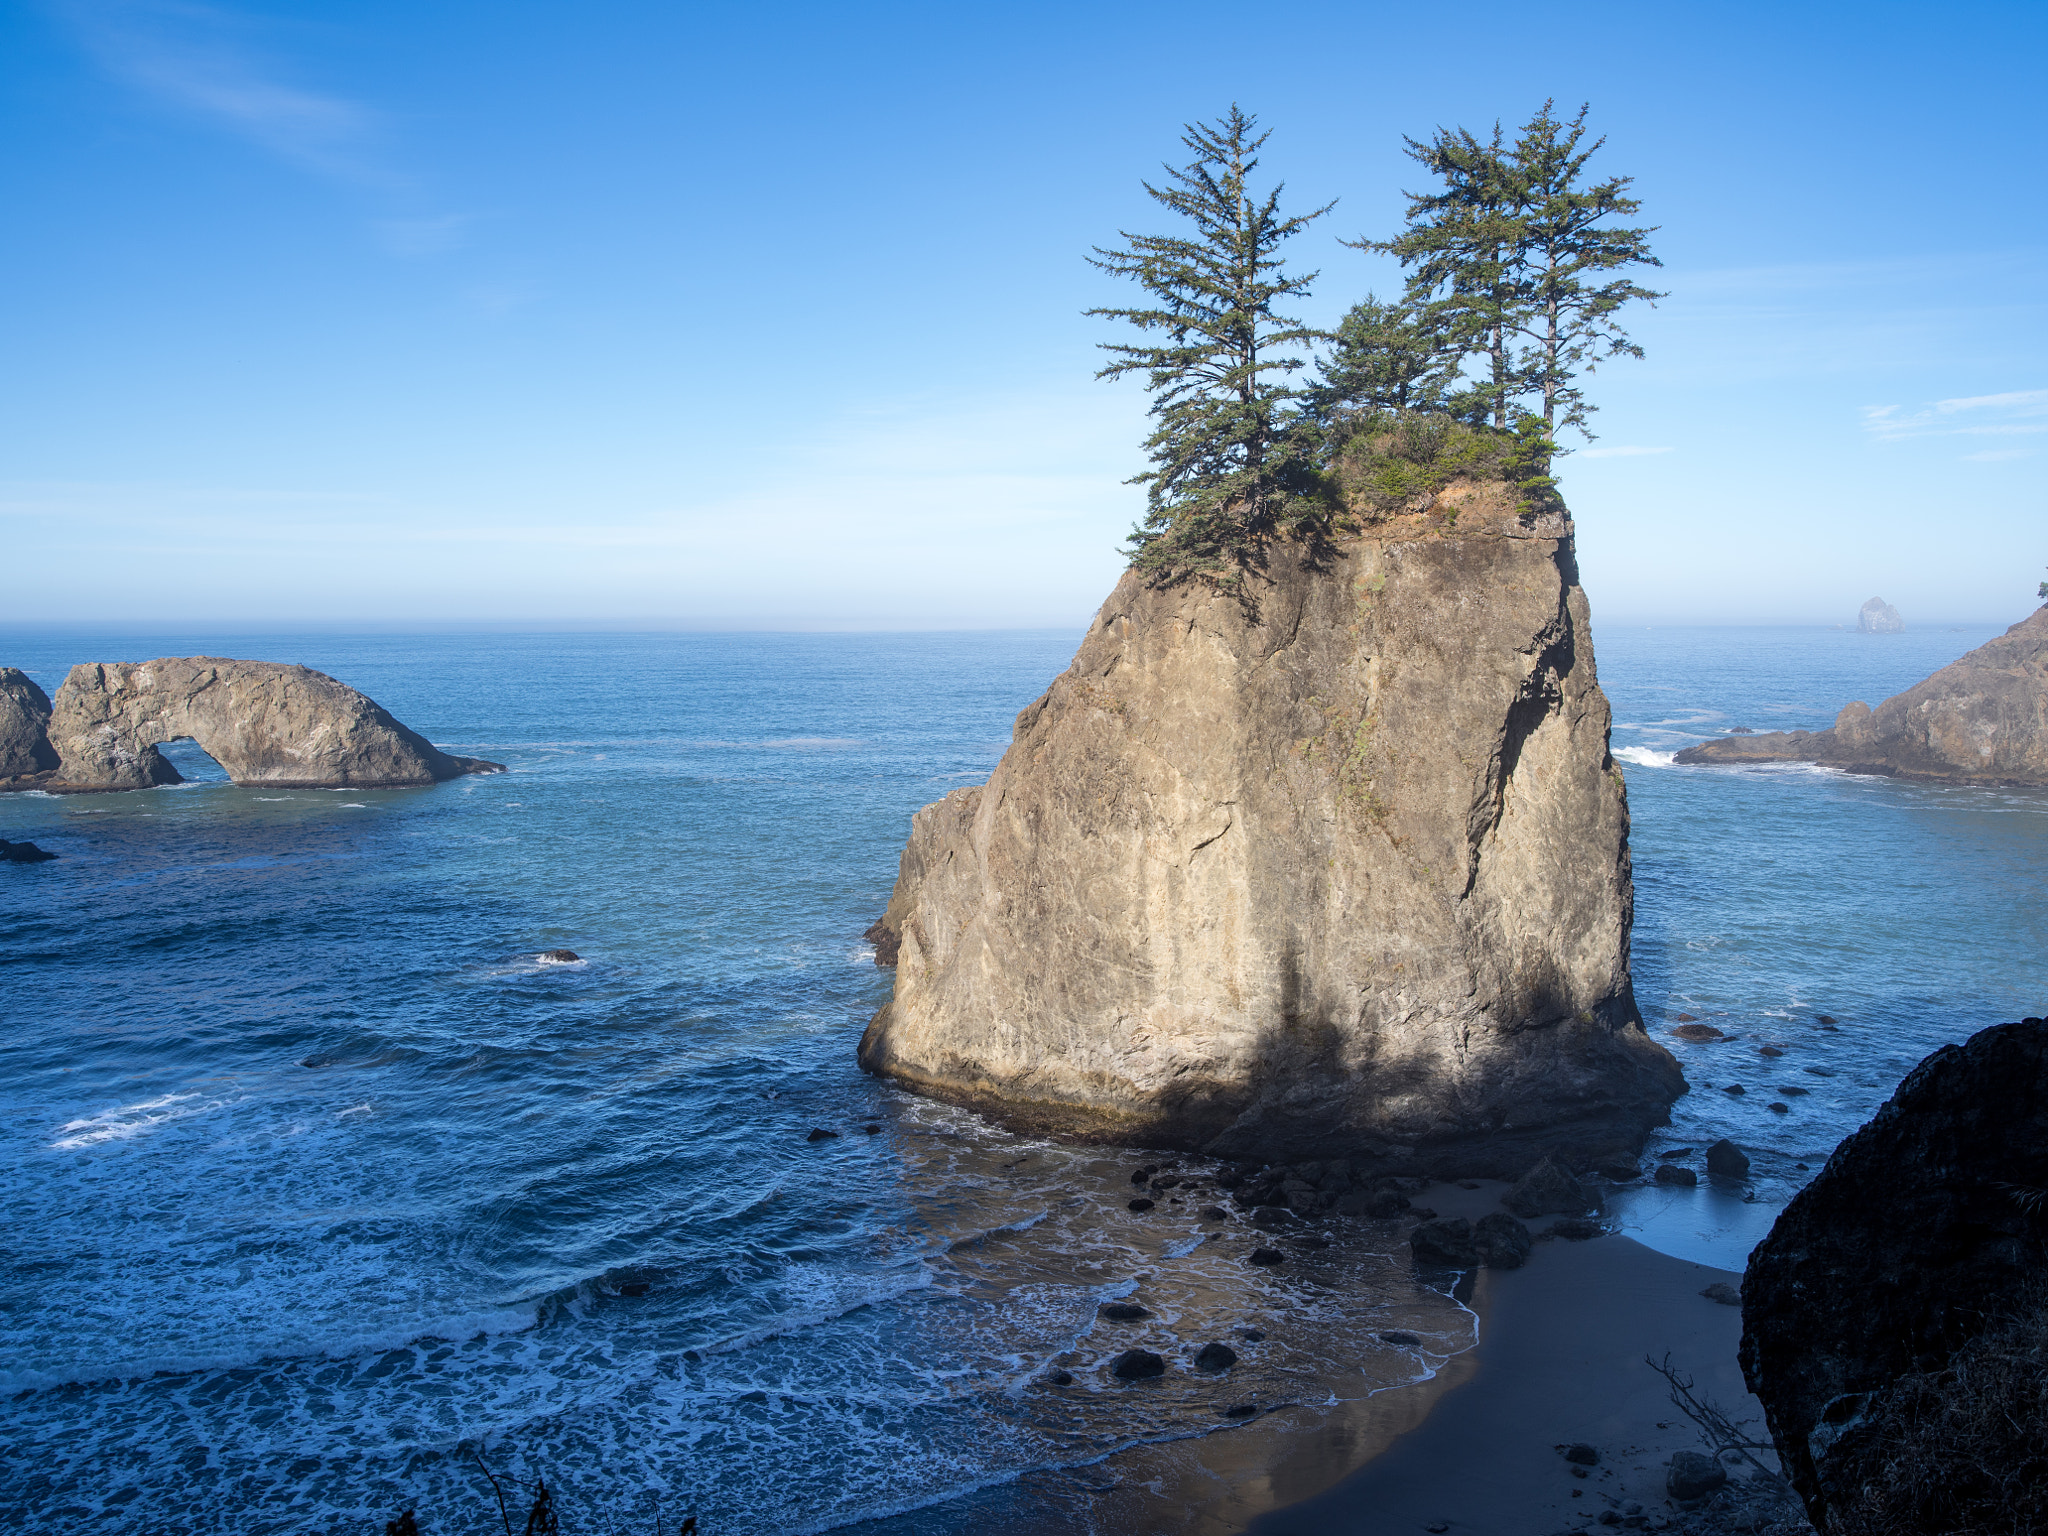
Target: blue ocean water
pixel 318 1180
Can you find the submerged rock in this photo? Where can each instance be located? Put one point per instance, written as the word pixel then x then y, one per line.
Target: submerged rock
pixel 1137 1365
pixel 1215 1357
pixel 558 957
pixel 1122 1311
pixel 1867 1310
pixel 1341 870
pixel 1980 720
pixel 284 727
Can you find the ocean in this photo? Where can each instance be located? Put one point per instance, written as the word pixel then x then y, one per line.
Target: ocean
pixel 324 1194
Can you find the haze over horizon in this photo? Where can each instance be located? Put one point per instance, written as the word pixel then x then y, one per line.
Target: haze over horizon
pixel 772 319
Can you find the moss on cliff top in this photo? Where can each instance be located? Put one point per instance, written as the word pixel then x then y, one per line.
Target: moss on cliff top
pixel 1382 464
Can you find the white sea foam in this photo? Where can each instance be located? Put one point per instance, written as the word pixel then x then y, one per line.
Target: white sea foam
pixel 131 1120
pixel 1645 757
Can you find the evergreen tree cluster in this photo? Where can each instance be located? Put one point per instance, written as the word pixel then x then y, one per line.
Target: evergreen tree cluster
pixel 1516 267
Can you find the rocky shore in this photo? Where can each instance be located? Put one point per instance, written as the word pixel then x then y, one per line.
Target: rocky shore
pixel 1980 720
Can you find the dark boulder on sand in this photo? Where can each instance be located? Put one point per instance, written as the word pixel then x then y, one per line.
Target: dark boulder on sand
pixel 1502 1241
pixel 1693 1476
pixel 1895 1320
pixel 1725 1160
pixel 1137 1365
pixel 1671 1173
pixel 1121 1311
pixel 1215 1357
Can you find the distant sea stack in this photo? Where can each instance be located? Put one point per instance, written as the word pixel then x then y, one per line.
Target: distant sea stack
pixel 286 727
pixel 1347 875
pixel 1878 617
pixel 1980 720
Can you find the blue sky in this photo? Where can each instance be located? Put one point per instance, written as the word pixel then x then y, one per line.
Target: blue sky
pixel 770 316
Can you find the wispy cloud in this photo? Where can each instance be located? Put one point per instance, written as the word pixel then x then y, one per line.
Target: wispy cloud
pixel 195 58
pixel 1626 452
pixel 2015 413
pixel 1998 455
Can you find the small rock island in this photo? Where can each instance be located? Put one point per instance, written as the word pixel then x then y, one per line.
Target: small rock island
pixel 267 723
pixel 1344 872
pixel 1980 720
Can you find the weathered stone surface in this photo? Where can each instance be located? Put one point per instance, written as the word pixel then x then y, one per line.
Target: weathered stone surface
pixel 1980 720
pixel 1725 1160
pixel 1878 617
pixel 24 726
pixel 1502 1241
pixel 1548 1189
pixel 266 723
pixel 1347 874
pixel 1920 1232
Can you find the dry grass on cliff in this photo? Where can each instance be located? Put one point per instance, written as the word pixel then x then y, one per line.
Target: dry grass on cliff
pixel 1384 465
pixel 1964 1450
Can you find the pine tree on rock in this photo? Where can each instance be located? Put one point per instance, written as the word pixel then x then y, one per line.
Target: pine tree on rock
pixel 1233 455
pixel 1389 357
pixel 1518 259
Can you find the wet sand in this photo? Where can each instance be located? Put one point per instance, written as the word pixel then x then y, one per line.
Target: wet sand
pixel 1560 1360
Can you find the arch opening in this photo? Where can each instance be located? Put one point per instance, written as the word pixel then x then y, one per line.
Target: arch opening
pixel 191 762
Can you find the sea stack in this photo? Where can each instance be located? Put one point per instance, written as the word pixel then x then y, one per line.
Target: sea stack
pixel 1340 870
pixel 1878 617
pixel 286 727
pixel 1982 719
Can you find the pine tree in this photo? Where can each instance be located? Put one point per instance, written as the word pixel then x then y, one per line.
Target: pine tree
pixel 1511 257
pixel 1388 357
pixel 1232 454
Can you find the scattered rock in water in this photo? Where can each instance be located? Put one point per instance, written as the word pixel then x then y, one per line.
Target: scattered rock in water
pixel 1168 1181
pixel 1213 1213
pixel 1061 1378
pixel 1740 730
pixel 1310 1240
pixel 1826 1019
pixel 1671 1173
pixel 1735 1090
pixel 1548 1189
pixel 1272 1218
pixel 821 1134
pixel 1240 1410
pixel 1266 1258
pixel 1770 1050
pixel 635 1288
pixel 1122 1311
pixel 1141 1204
pixel 1779 1109
pixel 1215 1357
pixel 872 1129
pixel 1688 1018
pixel 1502 1241
pixel 23 853
pixel 1577 1229
pixel 1820 1071
pixel 1795 1093
pixel 887 941
pixel 1675 1152
pixel 1621 1173
pixel 1144 1173
pixel 1137 1365
pixel 559 957
pixel 1724 1293
pixel 1447 1244
pixel 1581 1455
pixel 1725 1160
pixel 1400 1340
pixel 1699 1033
pixel 1693 1476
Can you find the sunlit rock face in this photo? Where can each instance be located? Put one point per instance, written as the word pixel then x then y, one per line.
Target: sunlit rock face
pixel 1982 719
pixel 263 722
pixel 1345 875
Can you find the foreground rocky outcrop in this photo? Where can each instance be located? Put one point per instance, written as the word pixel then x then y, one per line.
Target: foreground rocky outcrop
pixel 1895 1324
pixel 1980 720
pixel 266 723
pixel 1344 874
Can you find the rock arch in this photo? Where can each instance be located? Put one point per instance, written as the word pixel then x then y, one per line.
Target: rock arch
pixel 267 723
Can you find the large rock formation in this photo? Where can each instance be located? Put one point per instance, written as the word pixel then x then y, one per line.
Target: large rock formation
pixel 1878 617
pixel 24 726
pixel 1923 1234
pixel 1344 875
pixel 1980 720
pixel 266 723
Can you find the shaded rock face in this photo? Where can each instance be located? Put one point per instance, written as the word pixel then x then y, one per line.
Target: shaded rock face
pixel 1878 617
pixel 24 726
pixel 1917 1236
pixel 1980 720
pixel 1344 876
pixel 263 722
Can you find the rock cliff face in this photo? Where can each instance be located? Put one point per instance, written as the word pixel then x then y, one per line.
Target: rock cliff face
pixel 1980 720
pixel 1924 1230
pixel 1347 876
pixel 1878 617
pixel 24 726
pixel 265 723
